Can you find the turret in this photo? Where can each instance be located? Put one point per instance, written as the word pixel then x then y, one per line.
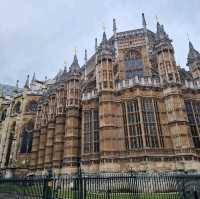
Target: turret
pixel 75 65
pixel 104 68
pixel 168 70
pixel 193 61
pixel 73 84
pixel 72 128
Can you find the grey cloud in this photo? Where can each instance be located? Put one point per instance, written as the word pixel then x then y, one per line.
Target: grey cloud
pixel 39 35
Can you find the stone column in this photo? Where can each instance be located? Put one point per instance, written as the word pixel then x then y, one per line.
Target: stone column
pixel 49 144
pixel 58 143
pixel 72 141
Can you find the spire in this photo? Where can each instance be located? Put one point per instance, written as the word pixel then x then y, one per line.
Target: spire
pixel 85 58
pixel 27 82
pixel 144 21
pixel 65 66
pixel 190 45
pixel 193 54
pixel 33 78
pixel 75 65
pixel 114 26
pixel 96 44
pixel 104 39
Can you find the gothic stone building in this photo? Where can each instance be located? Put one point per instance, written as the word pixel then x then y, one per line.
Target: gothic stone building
pixel 130 107
pixel 17 118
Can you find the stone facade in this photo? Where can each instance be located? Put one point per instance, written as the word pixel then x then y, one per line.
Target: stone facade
pixel 129 107
pixel 17 123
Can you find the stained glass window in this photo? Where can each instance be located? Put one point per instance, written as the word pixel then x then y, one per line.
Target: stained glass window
pixel 91 131
pixel 133 64
pixel 149 119
pixel 133 133
pixel 26 138
pixel 193 113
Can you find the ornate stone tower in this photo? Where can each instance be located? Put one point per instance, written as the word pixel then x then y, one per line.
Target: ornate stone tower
pixel 59 128
pixel 43 134
pixel 167 68
pixel 50 130
pixel 193 61
pixel 110 124
pixel 71 158
pixel 176 121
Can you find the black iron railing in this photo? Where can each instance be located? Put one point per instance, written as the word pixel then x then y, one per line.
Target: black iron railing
pixel 104 186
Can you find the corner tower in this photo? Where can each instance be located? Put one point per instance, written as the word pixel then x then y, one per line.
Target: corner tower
pixel 71 157
pixel 110 124
pixel 176 119
pixel 167 67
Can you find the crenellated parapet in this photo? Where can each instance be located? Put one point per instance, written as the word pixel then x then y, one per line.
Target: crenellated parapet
pixel 90 95
pixel 192 85
pixel 148 81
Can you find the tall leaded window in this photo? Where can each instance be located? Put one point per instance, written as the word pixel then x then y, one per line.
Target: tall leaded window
pixel 133 133
pixel 96 130
pixel 91 131
pixel 152 135
pixel 150 123
pixel 193 113
pixel 26 138
pixel 159 128
pixel 133 64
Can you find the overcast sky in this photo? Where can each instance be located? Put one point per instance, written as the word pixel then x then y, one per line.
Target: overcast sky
pixel 38 35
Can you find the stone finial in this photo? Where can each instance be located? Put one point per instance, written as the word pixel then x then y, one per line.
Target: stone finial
pixel 75 65
pixel 96 44
pixel 114 26
pixel 104 39
pixel 34 77
pixel 27 82
pixel 144 21
pixel 85 57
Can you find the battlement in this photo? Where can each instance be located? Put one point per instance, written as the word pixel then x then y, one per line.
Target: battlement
pixel 89 95
pixel 192 84
pixel 150 82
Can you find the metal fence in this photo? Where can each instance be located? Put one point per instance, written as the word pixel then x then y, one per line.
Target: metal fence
pixel 104 186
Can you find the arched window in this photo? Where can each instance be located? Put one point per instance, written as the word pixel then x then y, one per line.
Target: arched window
pixel 133 64
pixel 32 106
pixel 26 138
pixel 17 107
